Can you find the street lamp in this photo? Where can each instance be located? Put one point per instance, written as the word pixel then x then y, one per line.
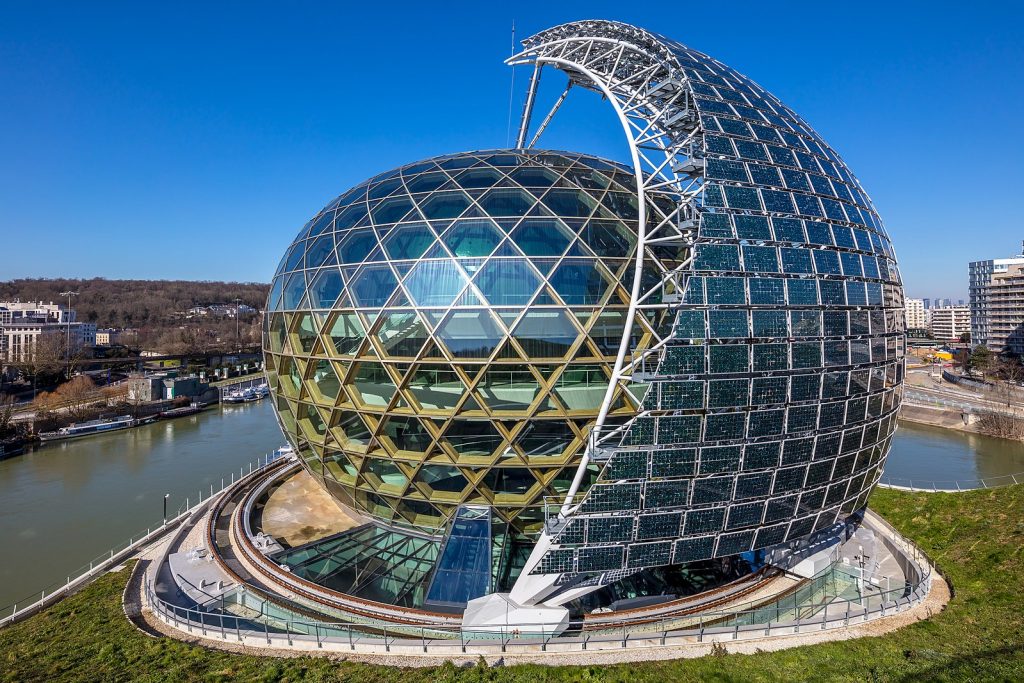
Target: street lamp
pixel 67 339
pixel 166 496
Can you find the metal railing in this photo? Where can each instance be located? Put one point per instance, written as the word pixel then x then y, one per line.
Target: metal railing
pixel 260 628
pixel 950 485
pixel 87 572
pixel 981 406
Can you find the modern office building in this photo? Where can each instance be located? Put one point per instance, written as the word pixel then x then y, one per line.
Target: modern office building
pixel 539 373
pixel 980 274
pixel 917 316
pixel 22 324
pixel 949 322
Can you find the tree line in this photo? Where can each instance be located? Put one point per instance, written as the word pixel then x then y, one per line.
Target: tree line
pixel 134 303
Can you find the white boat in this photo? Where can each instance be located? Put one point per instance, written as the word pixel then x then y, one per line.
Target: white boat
pixel 247 395
pixel 90 427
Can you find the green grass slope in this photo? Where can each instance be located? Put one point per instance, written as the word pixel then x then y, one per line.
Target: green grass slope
pixel 977 539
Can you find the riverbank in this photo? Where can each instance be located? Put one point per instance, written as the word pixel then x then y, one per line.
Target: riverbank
pixel 975 538
pixel 936 417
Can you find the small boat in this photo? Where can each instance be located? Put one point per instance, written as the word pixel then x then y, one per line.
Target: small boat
pixel 247 395
pixel 183 411
pixel 93 427
pixel 11 449
pixel 237 396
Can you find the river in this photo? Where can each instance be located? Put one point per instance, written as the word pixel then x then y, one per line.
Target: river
pixel 66 503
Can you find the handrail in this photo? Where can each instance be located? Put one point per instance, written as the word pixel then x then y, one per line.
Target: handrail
pixel 707 627
pixel 951 485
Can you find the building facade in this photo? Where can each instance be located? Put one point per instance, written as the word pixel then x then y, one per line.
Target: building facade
pixel 1004 310
pixel 949 323
pixel 24 324
pixel 917 317
pixel 980 274
pixel 596 369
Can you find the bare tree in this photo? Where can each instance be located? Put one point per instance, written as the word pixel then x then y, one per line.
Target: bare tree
pixel 6 414
pixel 77 395
pixel 1007 425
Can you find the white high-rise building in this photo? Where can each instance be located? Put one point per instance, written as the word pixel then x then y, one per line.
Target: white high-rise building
pixel 916 316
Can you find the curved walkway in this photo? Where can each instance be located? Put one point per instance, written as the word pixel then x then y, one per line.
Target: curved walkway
pixel 410 653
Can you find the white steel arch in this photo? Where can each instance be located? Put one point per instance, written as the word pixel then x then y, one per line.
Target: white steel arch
pixel 645 86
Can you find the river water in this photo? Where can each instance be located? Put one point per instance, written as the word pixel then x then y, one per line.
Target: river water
pixel 66 503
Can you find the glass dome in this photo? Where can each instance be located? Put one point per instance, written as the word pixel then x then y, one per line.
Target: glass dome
pixel 443 334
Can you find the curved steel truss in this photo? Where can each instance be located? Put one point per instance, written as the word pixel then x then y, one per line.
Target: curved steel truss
pixel 643 82
pixel 739 184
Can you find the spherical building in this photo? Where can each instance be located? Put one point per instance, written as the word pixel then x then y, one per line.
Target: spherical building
pixel 692 356
pixel 443 334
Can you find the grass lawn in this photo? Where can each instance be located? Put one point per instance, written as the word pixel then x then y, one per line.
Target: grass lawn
pixel 977 539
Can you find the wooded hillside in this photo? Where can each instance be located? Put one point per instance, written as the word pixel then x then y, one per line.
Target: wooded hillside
pixel 134 303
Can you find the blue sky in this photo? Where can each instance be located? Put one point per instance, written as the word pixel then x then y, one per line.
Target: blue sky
pixel 192 141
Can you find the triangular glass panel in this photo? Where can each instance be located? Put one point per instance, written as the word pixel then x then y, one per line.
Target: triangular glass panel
pixel 468 298
pixel 474 212
pixel 375 255
pixel 539 210
pixel 576 250
pixel 430 350
pixel 436 251
pixel 545 298
pixel 508 352
pixel 470 404
pixel 508 317
pixel 399 300
pixel 507 248
pixel 432 317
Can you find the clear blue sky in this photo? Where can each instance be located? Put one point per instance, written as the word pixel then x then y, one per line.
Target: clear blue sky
pixel 174 141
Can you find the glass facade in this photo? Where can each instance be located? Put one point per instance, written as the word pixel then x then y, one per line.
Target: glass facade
pixel 770 413
pixel 443 334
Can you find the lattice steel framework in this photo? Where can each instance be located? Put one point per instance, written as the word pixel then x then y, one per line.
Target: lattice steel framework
pixel 772 403
pixel 444 334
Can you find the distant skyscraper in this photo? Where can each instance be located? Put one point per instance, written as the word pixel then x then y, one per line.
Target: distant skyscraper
pixel 927 303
